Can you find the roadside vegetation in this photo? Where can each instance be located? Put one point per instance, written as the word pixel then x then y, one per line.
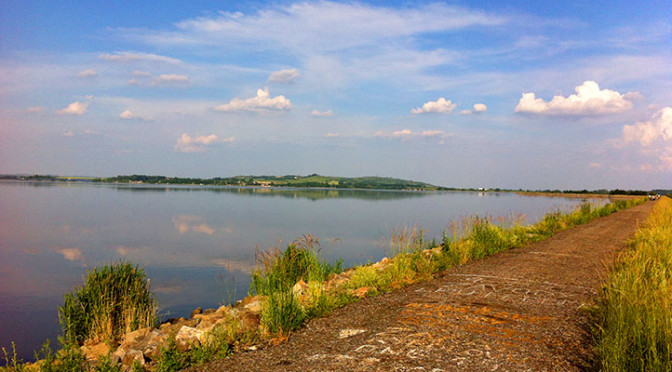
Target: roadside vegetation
pixel 292 285
pixel 634 315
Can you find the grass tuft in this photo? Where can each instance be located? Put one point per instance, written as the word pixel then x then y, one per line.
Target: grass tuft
pixel 114 300
pixel 634 315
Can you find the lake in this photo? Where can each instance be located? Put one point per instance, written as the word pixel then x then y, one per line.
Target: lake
pixel 198 244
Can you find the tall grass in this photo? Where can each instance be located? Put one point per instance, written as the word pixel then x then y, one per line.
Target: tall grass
pixel 278 272
pixel 634 316
pixel 114 300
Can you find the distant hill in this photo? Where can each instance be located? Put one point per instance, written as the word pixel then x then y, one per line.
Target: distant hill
pixel 313 180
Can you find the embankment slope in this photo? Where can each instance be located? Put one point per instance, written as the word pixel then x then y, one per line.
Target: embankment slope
pixel 518 310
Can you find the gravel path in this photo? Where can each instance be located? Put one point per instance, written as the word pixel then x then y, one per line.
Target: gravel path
pixel 515 311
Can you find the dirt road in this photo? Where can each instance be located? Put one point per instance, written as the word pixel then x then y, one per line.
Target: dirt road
pixel 516 311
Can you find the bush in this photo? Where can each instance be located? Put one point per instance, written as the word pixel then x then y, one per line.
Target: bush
pixel 113 301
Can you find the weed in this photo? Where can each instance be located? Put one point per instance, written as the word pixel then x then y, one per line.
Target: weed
pixel 282 313
pixel 13 362
pixel 114 300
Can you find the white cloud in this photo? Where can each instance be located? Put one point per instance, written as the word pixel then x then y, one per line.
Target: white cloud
pixel 406 134
pixel 284 76
pixel 356 25
pixel 322 113
pixel 440 106
pixel 75 108
pixel 129 115
pixel 262 102
pixel 35 109
pixel 588 100
pixel 659 127
pixel 171 79
pixel 141 73
pixel 187 143
pixel 126 57
pixel 68 134
pixel 480 107
pixel 87 74
pixel 654 139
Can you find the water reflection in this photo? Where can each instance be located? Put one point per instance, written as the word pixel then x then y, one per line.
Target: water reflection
pixel 293 193
pixel 197 244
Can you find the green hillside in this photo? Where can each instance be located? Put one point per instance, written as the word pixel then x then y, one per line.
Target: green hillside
pixel 313 180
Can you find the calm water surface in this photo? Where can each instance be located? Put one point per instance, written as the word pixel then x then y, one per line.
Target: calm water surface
pixel 197 244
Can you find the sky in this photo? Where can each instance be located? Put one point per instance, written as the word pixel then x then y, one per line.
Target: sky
pixel 508 94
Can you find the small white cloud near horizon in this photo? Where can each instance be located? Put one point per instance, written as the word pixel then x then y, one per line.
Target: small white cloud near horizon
pixel 125 57
pixel 171 79
pixel 187 143
pixel 75 108
pixel 129 115
pixel 321 113
pixel 478 108
pixel 261 103
pixel 407 134
pixel 440 106
pixel 87 74
pixel 288 75
pixel 35 109
pixel 588 100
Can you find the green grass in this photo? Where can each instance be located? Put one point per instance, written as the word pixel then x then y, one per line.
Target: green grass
pixel 114 300
pixel 634 315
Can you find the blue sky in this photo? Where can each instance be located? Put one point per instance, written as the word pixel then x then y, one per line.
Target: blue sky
pixel 511 94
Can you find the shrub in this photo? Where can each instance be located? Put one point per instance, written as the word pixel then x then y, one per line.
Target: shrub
pixel 113 301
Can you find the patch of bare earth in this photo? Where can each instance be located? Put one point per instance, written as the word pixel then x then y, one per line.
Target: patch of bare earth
pixel 518 310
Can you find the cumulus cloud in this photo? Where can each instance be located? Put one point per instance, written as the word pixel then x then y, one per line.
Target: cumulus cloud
pixel 659 127
pixel 261 103
pixel 75 108
pixel 440 106
pixel 126 57
pixel 321 113
pixel 171 79
pixel 654 138
pixel 187 143
pixel 588 100
pixel 478 108
pixel 284 76
pixel 130 115
pixel 87 74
